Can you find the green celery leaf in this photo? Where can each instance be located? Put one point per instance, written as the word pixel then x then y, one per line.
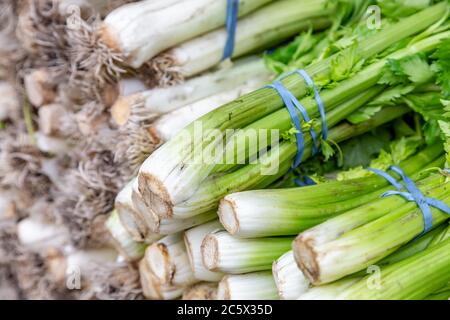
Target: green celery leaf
pixel 289 135
pixel 274 65
pixel 387 97
pixel 364 114
pixel 446 104
pixel 327 150
pixel 417 69
pixel 283 57
pixel 390 78
pixel 353 173
pixel 390 96
pixel 447 150
pixel 445 128
pixel 382 162
pixel 405 147
pixel 442 66
pixel 305 42
pixel 427 104
pixel 345 64
pixel 414 68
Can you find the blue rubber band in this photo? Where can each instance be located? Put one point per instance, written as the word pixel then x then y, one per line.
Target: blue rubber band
pixel 231 26
pixel 315 145
pixel 286 96
pixel 320 105
pixel 306 181
pixel 388 177
pixel 291 103
pixel 306 118
pixel 418 196
pixel 413 195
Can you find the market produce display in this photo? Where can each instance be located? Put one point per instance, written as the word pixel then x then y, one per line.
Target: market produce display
pixel 225 149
